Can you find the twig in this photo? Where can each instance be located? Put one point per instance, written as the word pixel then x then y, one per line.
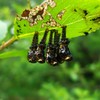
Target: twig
pixel 9 42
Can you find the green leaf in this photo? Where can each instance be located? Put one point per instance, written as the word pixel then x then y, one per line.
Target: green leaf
pixel 80 17
pixel 13 53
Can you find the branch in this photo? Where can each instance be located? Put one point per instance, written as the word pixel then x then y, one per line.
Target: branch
pixel 7 43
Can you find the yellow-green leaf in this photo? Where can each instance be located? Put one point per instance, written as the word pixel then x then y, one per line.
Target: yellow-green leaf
pixel 80 17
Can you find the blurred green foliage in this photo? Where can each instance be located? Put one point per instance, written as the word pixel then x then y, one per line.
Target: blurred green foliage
pixel 75 80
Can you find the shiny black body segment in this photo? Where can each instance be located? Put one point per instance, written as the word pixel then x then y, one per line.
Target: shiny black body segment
pixel 64 52
pixel 40 52
pixel 50 51
pixel 32 51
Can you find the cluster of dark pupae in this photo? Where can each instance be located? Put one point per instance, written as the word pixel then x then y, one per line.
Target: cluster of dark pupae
pixel 56 52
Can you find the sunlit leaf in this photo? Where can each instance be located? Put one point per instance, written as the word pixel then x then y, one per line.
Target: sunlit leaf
pixel 80 16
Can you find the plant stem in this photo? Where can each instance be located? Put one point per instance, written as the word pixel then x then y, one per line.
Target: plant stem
pixel 29 4
pixel 7 43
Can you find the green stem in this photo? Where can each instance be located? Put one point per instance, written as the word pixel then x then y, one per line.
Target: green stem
pixel 7 43
pixel 29 4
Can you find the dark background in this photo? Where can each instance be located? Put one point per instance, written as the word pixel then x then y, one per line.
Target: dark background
pixel 75 80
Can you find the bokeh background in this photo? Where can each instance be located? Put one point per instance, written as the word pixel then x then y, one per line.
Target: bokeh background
pixel 21 80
